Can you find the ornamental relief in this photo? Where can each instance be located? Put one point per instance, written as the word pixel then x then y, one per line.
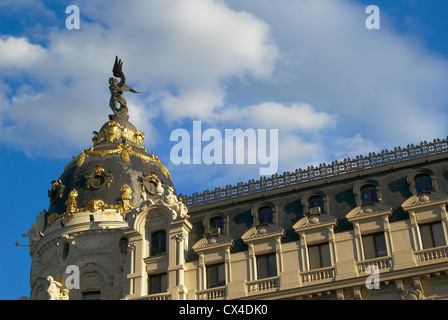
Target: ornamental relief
pixel 98 179
pixel 57 188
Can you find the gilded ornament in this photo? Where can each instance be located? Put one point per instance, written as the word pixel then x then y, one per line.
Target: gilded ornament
pixel 95 205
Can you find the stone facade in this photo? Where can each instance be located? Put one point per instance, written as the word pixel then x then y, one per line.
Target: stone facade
pixel 373 227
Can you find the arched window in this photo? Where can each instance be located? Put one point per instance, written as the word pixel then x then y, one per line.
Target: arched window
pixel 316 202
pixel 158 242
pixel 65 250
pixel 422 183
pixel 216 223
pixel 368 194
pixel 265 215
pixel 422 180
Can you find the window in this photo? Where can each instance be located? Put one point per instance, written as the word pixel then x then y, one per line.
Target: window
pixel 374 246
pixel 265 215
pixel 267 266
pixel 216 275
pixel 157 283
pixel 216 223
pixel 316 202
pixel 123 246
pixel 368 194
pixel 319 256
pixel 432 235
pixel 422 183
pixel 65 251
pixel 158 242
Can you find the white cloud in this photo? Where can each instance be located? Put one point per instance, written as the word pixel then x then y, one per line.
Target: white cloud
pixel 19 53
pixel 309 68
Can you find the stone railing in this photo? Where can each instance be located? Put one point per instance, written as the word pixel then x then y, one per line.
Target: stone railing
pixel 432 254
pixel 318 274
pixel 217 293
pixel 156 296
pixel 323 171
pixel 371 264
pixel 263 284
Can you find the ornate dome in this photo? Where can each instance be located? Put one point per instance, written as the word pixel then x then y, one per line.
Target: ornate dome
pixel 117 168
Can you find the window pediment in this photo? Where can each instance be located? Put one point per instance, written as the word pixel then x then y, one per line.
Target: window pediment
pixel 370 210
pixel 315 221
pixel 263 232
pixel 213 242
pixel 424 200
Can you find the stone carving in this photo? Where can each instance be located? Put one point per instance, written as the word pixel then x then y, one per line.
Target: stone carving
pixel 55 290
pixel 117 88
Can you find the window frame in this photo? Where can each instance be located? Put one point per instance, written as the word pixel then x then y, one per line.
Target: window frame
pixel 431 233
pixel 375 248
pixel 162 243
pixel 256 210
pixel 268 266
pixel 215 269
pixel 321 260
pixel 160 287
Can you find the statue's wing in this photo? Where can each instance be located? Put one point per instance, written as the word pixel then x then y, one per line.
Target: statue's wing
pixel 125 87
pixel 117 70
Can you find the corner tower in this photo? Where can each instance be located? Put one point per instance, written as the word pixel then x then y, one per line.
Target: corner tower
pixel 103 209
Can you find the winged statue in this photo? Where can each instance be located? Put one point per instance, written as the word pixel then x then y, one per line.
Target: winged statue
pixel 117 88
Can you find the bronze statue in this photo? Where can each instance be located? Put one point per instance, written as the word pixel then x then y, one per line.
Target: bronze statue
pixel 117 89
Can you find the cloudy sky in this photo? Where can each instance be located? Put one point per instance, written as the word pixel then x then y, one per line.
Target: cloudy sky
pixel 309 69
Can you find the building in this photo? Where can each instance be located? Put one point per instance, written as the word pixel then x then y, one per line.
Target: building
pixel 374 227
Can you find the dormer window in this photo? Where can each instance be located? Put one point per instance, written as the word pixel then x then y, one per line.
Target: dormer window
pixel 315 202
pixel 368 194
pixel 265 215
pixel 216 224
pixel 422 183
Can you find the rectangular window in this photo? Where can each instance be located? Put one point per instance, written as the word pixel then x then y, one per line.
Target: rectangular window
pixel 432 235
pixel 216 275
pixel 319 256
pixel 374 246
pixel 158 283
pixel 267 266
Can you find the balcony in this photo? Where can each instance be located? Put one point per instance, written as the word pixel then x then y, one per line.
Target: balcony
pixel 156 296
pixel 437 254
pixel 218 293
pixel 381 263
pixel 318 275
pixel 266 284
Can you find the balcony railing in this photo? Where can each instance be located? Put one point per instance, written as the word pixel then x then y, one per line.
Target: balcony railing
pixel 432 254
pixel 156 296
pixel 318 274
pixel 218 293
pixel 263 284
pixel 378 263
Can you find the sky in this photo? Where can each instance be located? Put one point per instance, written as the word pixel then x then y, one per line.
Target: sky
pixel 311 70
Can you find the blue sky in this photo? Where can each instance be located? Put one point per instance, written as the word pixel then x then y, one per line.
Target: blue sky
pixel 310 69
